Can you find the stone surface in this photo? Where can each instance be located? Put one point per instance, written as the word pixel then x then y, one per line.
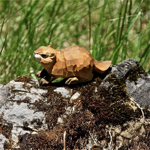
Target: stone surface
pixel 64 92
pixel 106 113
pixel 121 69
pixel 16 109
pixel 74 96
pixel 138 86
pixel 3 94
pixel 140 90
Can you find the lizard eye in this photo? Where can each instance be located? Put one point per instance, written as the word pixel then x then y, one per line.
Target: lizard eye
pixel 43 55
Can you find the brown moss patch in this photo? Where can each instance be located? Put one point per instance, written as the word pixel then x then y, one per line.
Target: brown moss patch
pixel 135 73
pixel 108 106
pixel 5 128
pixel 23 79
pixel 52 139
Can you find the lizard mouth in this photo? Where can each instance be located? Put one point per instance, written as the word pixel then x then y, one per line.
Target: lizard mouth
pixel 37 57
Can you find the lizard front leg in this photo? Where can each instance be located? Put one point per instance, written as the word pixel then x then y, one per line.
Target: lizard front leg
pixel 45 78
pixel 42 74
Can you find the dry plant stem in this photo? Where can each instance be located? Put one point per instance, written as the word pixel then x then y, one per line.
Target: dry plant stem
pixel 143 116
pixel 93 138
pixel 64 139
pixel 110 144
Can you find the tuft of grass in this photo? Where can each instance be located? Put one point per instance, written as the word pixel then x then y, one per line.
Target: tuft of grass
pixel 114 30
pixel 125 35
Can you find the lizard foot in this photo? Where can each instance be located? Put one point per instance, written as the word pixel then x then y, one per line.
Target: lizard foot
pixel 38 74
pixel 41 74
pixel 43 81
pixel 72 80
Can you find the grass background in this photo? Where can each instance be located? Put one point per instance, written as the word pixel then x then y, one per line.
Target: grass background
pixel 110 29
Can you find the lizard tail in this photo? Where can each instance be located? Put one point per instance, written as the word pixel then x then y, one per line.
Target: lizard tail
pixel 101 66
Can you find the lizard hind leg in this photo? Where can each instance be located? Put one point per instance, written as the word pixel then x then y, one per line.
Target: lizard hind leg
pixel 83 76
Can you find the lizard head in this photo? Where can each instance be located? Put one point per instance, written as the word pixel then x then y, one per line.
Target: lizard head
pixel 46 56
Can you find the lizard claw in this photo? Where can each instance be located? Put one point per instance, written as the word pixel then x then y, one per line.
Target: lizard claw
pixel 38 74
pixel 72 80
pixel 43 81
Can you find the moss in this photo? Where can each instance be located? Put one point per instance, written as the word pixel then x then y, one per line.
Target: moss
pixel 43 140
pixel 5 128
pixel 23 79
pixel 38 122
pixel 26 80
pixel 7 145
pixel 135 73
pixel 109 106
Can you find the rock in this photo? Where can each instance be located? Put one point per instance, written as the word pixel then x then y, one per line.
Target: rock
pixel 2 141
pixel 64 92
pixel 121 69
pixel 119 142
pixel 140 90
pixel 117 129
pixel 3 94
pixel 17 110
pixel 136 80
pixel 74 96
pixel 131 130
pixel 106 113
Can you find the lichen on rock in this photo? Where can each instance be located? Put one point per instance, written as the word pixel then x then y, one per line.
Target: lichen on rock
pixel 104 113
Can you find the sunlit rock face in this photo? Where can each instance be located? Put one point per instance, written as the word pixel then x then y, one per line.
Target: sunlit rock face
pixel 110 112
